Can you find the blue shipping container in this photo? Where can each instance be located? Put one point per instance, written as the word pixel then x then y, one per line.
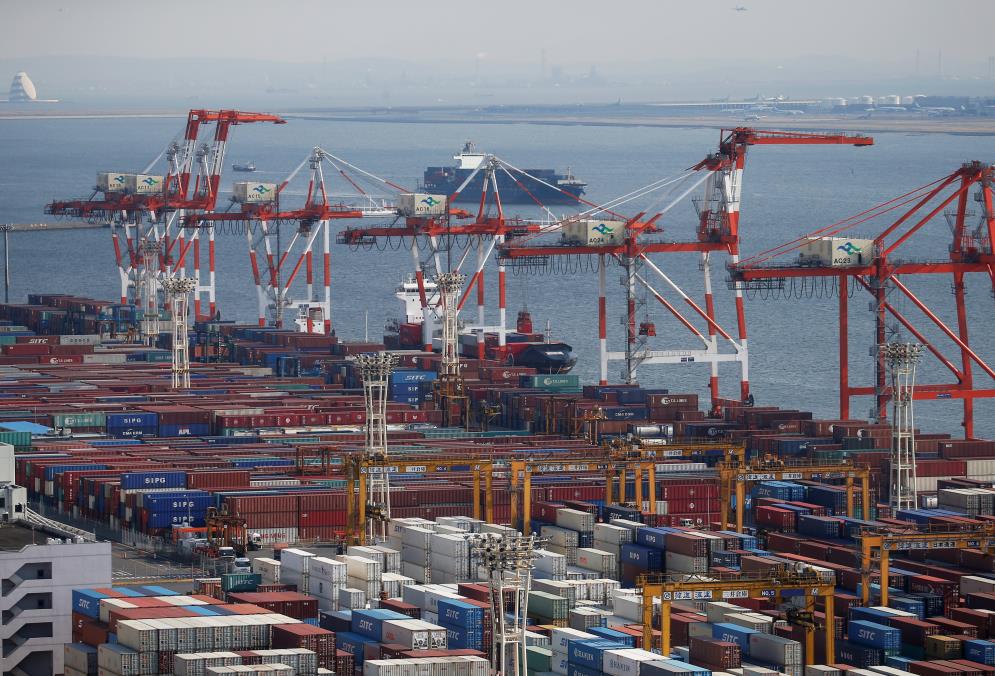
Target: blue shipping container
pixel 652 537
pixel 590 652
pixel 980 651
pixel 353 643
pixel 456 613
pixel 87 602
pixel 185 430
pixel 132 420
pixel 646 558
pixel 874 635
pixel 459 638
pixel 733 633
pixel 402 376
pixel 134 480
pixel 369 622
pixel 612 635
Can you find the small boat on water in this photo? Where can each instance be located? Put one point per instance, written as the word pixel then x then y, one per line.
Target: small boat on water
pixel 249 166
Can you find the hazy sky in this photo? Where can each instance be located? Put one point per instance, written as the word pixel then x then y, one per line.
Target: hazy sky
pixel 507 31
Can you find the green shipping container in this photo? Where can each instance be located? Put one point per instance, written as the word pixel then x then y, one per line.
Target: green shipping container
pixel 79 419
pixel 552 381
pixel 21 441
pixel 546 605
pixel 240 582
pixel 8 340
pixel 538 658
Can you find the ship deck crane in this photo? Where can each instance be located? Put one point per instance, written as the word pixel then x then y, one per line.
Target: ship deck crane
pixel 806 583
pixel 154 211
pixel 718 231
pixel 734 477
pixel 883 275
pixel 919 539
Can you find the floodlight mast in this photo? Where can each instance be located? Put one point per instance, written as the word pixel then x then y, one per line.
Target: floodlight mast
pixel 901 360
pixel 509 561
pixel 375 370
pixel 178 290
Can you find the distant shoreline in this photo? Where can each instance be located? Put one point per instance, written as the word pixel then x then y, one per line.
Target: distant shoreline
pixel 603 117
pixel 44 227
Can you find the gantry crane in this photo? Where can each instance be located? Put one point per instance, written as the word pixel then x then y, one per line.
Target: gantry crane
pixel 874 266
pixel 625 243
pixel 262 217
pixel 615 468
pixel 800 581
pixel 734 478
pixel 884 542
pixel 358 470
pixel 152 209
pixel 452 236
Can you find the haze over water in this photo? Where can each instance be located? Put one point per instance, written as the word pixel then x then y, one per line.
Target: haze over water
pixel 788 191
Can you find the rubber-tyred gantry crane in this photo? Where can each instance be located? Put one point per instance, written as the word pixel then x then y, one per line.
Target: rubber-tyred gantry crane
pixel 143 207
pixel 625 241
pixel 848 265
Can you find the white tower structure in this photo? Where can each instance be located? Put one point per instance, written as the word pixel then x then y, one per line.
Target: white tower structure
pixel 509 561
pixel 450 284
pixel 150 291
pixel 178 290
pixel 901 360
pixel 375 370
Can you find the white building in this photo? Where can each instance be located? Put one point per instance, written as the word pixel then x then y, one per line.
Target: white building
pixel 39 567
pixel 22 88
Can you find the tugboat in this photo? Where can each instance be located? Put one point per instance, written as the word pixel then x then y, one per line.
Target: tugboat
pixel 248 167
pixel 551 188
pixel 522 347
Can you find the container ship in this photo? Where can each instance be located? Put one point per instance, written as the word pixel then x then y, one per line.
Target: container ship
pixel 551 188
pixel 523 347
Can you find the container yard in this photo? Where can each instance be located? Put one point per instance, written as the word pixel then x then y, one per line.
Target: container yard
pixel 451 500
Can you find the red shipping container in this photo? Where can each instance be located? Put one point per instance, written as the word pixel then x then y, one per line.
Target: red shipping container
pixel 318 640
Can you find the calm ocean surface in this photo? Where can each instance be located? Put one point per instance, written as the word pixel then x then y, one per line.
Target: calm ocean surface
pixel 788 191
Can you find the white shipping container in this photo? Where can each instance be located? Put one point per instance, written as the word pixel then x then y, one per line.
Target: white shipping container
pixel 360 567
pixel 417 536
pixel 143 184
pixel 80 657
pixel 839 252
pixel 350 598
pixel 973 584
pixel 574 519
pixel 421 204
pixel 409 633
pixel 323 568
pixel 628 606
pixel 272 536
pixel 415 555
pixel 419 574
pixel 455 546
pixel 393 584
pixel 593 232
pixel 821 670
pixel 626 662
pixel 498 529
pixel 268 569
pixel 558 587
pixel 119 659
pixel 617 535
pixel 137 635
pixel 561 636
pixel 391 558
pixel 559 536
pixel 681 563
pixel 295 560
pixel 550 564
pixel 751 621
pixel 718 611
pixel 80 339
pixel 465 523
pixel 775 649
pixel 600 562
pixel 111 181
pixel 253 192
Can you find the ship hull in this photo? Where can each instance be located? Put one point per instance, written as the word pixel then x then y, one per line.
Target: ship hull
pixel 447 180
